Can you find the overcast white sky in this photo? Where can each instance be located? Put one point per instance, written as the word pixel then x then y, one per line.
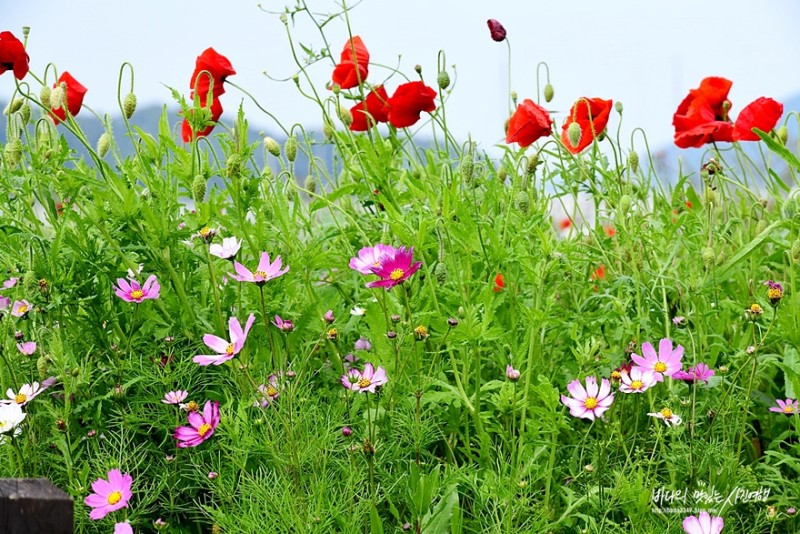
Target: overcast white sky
pixel 647 54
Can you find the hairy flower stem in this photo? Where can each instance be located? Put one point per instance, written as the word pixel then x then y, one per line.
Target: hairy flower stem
pixel 128 346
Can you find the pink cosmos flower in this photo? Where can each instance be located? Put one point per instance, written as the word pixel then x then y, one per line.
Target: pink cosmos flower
pixel 175 397
pixel 265 271
pixel 590 402
pixel 269 392
pixel 699 373
pixel 284 326
pixel 396 269
pixel 227 250
pixel 637 380
pixel 123 528
pixel 705 524
pixel 110 495
pixel 5 302
pixel 133 292
pixel 26 393
pixel 368 381
pixel 789 406
pixel 202 426
pixel 363 344
pixel 328 317
pixel 226 350
pixel 27 348
pixel 370 257
pixel 11 282
pixel 20 308
pixel 666 363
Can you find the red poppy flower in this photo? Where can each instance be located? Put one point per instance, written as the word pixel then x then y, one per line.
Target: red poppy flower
pixel 74 97
pixel 528 123
pixel 610 230
pixel 374 109
pixel 408 101
pixel 591 115
pixel 702 116
pixel 496 30
pixel 599 273
pixel 210 65
pixel 13 55
pixel 762 113
pixel 499 282
pixel 565 223
pixel 353 66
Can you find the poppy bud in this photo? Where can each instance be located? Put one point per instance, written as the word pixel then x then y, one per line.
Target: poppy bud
pixel 443 79
pixel 708 257
pixel 272 146
pixel 13 153
pixel 496 30
pixel 129 105
pixel 284 19
pixel 761 226
pixel 625 202
pixel 711 196
pixel 548 93
pixel 618 107
pixel 233 167
pixel 13 106
pixel 467 168
pixel 796 250
pixel 44 95
pixel 533 162
pixel 328 130
pixel 199 188
pixel 58 97
pixel 502 174
pixel 43 367
pixel 574 134
pixel 103 144
pixel 25 113
pixel 633 162
pixel 523 202
pixel 290 148
pixel 311 184
pixel 783 135
pixel 418 68
pixel 345 116
pixel 440 273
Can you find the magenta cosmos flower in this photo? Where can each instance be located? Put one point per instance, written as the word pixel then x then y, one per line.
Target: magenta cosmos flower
pixel 370 258
pixel 123 528
pixel 20 308
pixel 395 269
pixel 366 381
pixel 109 495
pixel 133 292
pixel 225 349
pixel 705 524
pixel 201 426
pixel 666 363
pixel 589 402
pixel 265 271
pixel 789 406
pixel 699 373
pixel 283 325
pixel 637 380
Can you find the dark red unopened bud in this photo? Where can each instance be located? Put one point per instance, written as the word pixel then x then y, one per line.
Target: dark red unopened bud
pixel 496 30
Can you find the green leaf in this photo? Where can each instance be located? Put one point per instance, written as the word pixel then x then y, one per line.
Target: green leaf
pixel 437 521
pixel 375 523
pixel 778 149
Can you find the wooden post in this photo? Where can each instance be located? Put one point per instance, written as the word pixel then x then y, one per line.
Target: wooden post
pixel 34 506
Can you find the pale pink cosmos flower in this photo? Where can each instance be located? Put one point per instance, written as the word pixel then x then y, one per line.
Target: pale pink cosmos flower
pixel 268 392
pixel 225 349
pixel 395 269
pixel 265 271
pixel 175 397
pixel 589 402
pixel 705 524
pixel 366 381
pixel 109 495
pixel 133 273
pixel 363 344
pixel 284 326
pixel 130 290
pixel 328 317
pixel 26 393
pixel 123 528
pixel 201 426
pixel 27 348
pixel 11 282
pixel 699 373
pixel 371 257
pixel 666 363
pixel 227 250
pixel 789 406
pixel 20 308
pixel 637 380
pixel 5 302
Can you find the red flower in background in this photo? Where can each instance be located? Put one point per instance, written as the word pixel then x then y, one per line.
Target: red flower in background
pixel 13 55
pixel 408 101
pixel 703 116
pixel 74 93
pixel 496 30
pixel 599 273
pixel 499 282
pixel 528 123
pixel 374 109
pixel 210 68
pixel 353 65
pixel 591 115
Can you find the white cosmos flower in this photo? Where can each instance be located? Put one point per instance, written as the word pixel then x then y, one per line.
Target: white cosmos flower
pixel 227 250
pixel 11 415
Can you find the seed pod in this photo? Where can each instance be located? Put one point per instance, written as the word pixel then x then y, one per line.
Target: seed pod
pixel 290 148
pixel 103 144
pixel 129 105
pixel 548 93
pixel 272 146
pixel 440 273
pixel 199 188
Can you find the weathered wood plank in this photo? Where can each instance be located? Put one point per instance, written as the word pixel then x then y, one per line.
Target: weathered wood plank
pixel 34 506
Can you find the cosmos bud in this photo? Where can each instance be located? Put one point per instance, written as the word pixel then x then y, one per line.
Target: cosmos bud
pixel 548 93
pixel 129 105
pixel 496 30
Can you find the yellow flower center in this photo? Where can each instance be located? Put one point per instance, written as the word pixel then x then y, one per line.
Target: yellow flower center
pixel 636 384
pixel 788 408
pixel 667 413
pixel 203 430
pixel 20 398
pixel 260 274
pixel 590 403
pixel 616 375
pixel 114 497
pixel 332 333
pixel 774 293
pixel 660 367
pixel 204 231
pixel 23 309
pixel 755 308
pixel 229 349
pixel 192 406
pixel 271 391
pixel 397 274
pixel 364 383
pixel 137 294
